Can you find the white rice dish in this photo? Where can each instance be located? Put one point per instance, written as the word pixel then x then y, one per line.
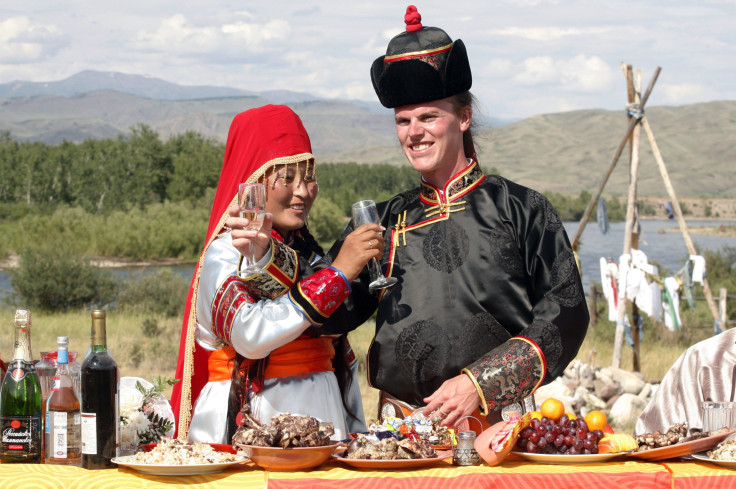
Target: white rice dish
pixel 176 452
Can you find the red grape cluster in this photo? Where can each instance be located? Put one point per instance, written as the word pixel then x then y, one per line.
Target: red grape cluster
pixel 564 436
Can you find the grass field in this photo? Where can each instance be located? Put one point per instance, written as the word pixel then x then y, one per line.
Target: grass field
pixel 147 347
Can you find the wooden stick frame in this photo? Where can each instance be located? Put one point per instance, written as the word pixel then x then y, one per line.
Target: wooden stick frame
pixel 637 120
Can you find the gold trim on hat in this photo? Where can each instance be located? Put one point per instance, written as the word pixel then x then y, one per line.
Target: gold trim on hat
pixel 416 54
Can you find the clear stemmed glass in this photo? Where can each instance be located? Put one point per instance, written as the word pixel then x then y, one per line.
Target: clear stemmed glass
pixel 252 202
pixel 365 212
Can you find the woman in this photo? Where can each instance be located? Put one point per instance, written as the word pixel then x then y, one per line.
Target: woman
pixel 255 339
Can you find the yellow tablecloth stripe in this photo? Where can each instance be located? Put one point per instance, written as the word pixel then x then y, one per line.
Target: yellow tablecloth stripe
pixel 35 476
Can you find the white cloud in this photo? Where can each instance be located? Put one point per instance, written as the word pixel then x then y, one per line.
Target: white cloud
pixel 23 41
pixel 584 73
pixel 550 33
pixel 177 34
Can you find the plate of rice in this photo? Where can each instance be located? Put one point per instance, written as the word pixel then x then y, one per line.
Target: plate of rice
pixel 174 457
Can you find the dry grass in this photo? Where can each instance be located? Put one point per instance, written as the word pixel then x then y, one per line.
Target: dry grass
pixel 136 354
pixel 142 356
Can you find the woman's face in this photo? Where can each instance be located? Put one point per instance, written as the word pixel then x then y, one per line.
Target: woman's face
pixel 290 193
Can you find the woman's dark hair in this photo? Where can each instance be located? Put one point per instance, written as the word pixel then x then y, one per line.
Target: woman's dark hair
pixel 241 379
pixel 459 102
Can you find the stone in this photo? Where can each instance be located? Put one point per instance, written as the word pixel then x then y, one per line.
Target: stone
pixel 626 410
pixel 606 390
pixel 631 382
pixel 586 376
pixel 646 391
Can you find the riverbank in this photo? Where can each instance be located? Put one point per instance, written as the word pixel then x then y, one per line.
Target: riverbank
pixel 13 260
pixel 722 230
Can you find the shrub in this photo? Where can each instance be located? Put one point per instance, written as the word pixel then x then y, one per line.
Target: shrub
pixel 54 276
pixel 161 292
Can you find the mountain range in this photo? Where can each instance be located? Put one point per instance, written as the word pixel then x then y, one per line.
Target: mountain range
pixel 564 152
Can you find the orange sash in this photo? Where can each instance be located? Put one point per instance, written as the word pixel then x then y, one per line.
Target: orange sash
pixel 299 357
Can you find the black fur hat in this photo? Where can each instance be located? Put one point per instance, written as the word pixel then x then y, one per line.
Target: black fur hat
pixel 421 65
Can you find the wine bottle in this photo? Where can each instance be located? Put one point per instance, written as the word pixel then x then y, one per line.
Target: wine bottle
pixel 20 400
pixel 100 410
pixel 63 418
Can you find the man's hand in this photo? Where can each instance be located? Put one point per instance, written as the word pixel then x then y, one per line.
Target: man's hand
pixel 457 397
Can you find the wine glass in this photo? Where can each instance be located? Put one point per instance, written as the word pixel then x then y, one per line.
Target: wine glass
pixel 252 202
pixel 364 212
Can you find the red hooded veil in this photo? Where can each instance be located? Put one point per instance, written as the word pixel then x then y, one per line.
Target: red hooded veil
pixel 258 139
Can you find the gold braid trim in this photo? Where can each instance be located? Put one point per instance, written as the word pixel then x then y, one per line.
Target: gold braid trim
pixel 400 228
pixel 444 208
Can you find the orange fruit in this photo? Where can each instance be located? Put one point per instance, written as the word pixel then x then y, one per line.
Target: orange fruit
pixel 596 420
pixel 552 408
pixel 571 416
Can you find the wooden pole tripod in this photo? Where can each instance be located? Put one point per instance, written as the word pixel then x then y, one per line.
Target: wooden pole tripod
pixel 637 118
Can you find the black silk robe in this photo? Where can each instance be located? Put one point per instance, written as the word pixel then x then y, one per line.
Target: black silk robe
pixel 487 285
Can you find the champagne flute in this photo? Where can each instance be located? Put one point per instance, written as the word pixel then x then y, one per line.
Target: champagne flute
pixel 365 212
pixel 252 202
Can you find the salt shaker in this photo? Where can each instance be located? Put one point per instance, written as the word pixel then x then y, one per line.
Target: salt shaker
pixel 464 452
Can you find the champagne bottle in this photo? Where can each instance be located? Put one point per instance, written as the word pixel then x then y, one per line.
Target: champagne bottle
pixel 100 410
pixel 63 418
pixel 20 400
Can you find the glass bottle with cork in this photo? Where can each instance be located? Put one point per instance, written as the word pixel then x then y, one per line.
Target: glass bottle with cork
pixel 63 417
pixel 20 400
pixel 100 380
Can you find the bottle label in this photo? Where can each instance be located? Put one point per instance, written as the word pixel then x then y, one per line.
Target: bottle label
pixel 19 369
pixel 57 383
pixel 60 434
pixel 20 434
pixel 89 433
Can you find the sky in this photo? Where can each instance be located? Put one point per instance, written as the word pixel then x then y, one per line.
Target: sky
pixel 528 57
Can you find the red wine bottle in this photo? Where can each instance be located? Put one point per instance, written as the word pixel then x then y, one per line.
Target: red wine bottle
pixel 100 380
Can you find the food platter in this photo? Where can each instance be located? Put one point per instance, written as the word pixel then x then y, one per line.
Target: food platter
pixel 680 449
pixel 391 464
pixel 564 459
pixel 703 456
pixel 288 459
pixel 161 469
pixel 219 447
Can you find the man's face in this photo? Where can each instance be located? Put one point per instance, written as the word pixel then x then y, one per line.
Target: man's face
pixel 431 135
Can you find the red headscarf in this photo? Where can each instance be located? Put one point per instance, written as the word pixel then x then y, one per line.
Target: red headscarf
pixel 258 139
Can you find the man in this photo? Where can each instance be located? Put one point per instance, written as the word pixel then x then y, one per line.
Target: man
pixel 489 303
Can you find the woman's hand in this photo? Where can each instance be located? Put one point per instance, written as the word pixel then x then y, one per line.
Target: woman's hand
pixel 242 237
pixel 360 246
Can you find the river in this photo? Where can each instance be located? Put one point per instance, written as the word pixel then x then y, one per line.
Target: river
pixel 667 249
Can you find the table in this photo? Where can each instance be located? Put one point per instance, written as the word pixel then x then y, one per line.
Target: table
pixel 509 475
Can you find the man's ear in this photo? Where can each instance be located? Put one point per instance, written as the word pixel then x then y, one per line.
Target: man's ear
pixel 466 117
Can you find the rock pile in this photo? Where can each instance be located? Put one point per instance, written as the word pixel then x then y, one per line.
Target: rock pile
pixel 621 394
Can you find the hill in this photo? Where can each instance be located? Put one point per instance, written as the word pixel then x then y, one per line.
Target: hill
pixel 565 152
pixel 569 152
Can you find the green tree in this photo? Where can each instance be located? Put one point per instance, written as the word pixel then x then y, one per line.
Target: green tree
pixel 326 221
pixel 196 165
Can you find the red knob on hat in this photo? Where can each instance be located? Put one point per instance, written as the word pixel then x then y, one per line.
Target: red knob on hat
pixel 413 19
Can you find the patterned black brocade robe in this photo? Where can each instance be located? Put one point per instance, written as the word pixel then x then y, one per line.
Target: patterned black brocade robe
pixel 487 284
